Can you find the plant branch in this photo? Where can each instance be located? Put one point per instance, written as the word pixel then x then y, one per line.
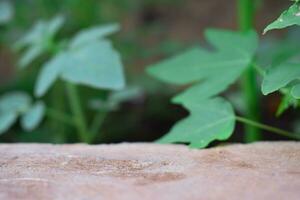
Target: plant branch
pixel 246 13
pixel 57 115
pixel 259 69
pixel 268 128
pixel 77 111
pixel 96 123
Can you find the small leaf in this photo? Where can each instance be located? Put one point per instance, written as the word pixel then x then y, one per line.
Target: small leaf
pixel 296 91
pixel 287 18
pixel 30 55
pixel 33 37
pixel 49 73
pixel 37 39
pixel 90 35
pixel 287 101
pixel 32 118
pixel 55 25
pixel 7 119
pixel 279 76
pixel 40 33
pixel 96 65
pixel 125 94
pixel 6 12
pixel 14 102
pixel 209 120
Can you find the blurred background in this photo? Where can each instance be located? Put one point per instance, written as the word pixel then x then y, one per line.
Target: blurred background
pixel 150 31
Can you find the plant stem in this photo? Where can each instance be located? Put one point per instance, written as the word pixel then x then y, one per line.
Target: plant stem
pixel 246 12
pixel 268 128
pixel 96 124
pixel 57 115
pixel 58 104
pixel 77 111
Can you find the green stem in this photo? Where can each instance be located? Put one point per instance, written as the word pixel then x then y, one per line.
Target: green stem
pixel 58 104
pixel 259 70
pixel 268 128
pixel 77 111
pixel 246 11
pixel 97 123
pixel 59 116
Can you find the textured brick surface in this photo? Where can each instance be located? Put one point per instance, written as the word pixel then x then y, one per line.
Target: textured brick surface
pixel 150 171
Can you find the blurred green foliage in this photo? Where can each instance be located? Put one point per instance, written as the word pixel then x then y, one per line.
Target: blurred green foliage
pixel 142 39
pixel 78 14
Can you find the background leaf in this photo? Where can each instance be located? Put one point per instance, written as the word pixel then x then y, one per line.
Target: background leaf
pixel 96 65
pixel 95 33
pixel 32 118
pixel 37 39
pixel 49 73
pixel 6 12
pixel 7 120
pixel 30 55
pixel 14 102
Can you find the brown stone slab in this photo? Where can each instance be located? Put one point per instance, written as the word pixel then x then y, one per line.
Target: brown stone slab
pixel 149 172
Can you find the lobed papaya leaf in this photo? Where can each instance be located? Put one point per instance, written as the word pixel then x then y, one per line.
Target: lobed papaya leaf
pixel 289 17
pixel 210 73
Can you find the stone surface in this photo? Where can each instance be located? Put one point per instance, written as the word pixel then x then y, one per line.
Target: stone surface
pixel 149 172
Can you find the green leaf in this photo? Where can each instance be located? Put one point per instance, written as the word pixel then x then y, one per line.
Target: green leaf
pixel 49 73
pixel 54 25
pixel 30 55
pixel 197 64
pixel 41 32
pixel 287 101
pixel 7 119
pixel 207 88
pixel 37 39
pixel 14 102
pixel 125 94
pixel 222 40
pixel 210 72
pixel 289 17
pixel 209 120
pixel 32 118
pixel 6 12
pixel 96 65
pixel 275 51
pixel 296 91
pixel 280 76
pixel 90 35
